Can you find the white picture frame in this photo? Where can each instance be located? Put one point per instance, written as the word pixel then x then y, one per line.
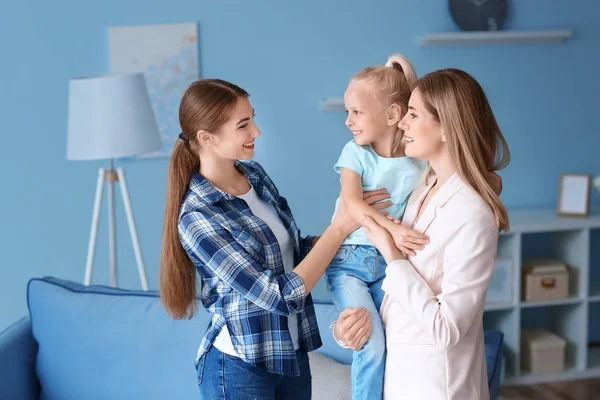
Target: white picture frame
pixel 574 195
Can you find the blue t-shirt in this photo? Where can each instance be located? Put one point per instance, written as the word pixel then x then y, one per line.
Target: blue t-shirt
pixel 399 175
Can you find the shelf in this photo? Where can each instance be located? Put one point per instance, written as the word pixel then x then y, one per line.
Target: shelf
pixel 594 271
pixel 527 378
pixel 493 37
pixel 575 241
pixel 568 321
pixel 498 306
pixel 570 247
pixel 561 302
pixel 333 104
pixel 594 357
pixel 531 221
pixel 594 299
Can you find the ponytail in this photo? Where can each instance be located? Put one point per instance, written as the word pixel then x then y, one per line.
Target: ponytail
pixel 177 273
pixel 404 66
pixel 206 105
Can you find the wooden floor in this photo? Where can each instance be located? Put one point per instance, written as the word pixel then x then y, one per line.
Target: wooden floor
pixel 587 389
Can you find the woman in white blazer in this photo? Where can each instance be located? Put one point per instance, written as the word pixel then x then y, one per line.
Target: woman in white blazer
pixel 434 302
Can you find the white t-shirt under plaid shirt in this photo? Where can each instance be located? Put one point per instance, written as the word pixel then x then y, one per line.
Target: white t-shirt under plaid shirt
pixel 268 214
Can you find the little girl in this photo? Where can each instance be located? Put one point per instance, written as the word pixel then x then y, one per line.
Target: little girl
pixel 376 100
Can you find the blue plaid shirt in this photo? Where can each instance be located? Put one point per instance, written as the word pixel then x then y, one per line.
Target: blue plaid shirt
pixel 244 284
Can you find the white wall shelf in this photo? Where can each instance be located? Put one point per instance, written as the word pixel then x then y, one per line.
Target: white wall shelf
pixel 532 304
pixel 498 306
pixel 575 241
pixel 332 104
pixel 595 299
pixel 493 37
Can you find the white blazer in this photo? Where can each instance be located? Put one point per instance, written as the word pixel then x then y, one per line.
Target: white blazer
pixel 434 302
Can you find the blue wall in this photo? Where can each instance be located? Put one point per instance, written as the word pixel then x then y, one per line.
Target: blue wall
pixel 289 55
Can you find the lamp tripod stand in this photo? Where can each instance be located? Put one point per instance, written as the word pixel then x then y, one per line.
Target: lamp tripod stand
pixel 109 177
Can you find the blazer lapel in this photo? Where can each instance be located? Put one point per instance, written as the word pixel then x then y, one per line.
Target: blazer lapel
pixel 415 201
pixel 452 186
pixel 426 218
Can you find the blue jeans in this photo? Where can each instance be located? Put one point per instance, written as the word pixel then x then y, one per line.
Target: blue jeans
pixel 225 377
pixel 354 279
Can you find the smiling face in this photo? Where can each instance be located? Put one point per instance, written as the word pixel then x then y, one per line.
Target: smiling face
pixel 366 119
pixel 423 133
pixel 234 140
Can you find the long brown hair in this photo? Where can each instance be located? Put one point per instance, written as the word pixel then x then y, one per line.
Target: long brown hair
pixel 474 139
pixel 205 105
pixel 391 84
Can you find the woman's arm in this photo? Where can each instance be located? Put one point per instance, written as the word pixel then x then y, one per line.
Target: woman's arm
pixel 370 198
pixel 352 198
pixel 468 262
pixel 213 247
pixel 313 266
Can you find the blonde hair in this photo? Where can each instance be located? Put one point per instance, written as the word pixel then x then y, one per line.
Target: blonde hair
pixel 205 105
pixel 473 137
pixel 391 84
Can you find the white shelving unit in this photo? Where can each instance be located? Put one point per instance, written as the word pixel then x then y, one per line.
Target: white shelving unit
pixel 575 241
pixel 493 37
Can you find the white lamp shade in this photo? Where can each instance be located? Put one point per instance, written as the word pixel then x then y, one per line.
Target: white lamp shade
pixel 110 116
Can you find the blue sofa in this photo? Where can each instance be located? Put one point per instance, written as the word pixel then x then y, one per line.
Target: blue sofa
pixel 96 342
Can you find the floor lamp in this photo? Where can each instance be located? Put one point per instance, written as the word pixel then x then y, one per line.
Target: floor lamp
pixel 110 117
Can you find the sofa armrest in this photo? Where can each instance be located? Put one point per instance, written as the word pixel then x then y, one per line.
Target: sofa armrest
pixel 18 350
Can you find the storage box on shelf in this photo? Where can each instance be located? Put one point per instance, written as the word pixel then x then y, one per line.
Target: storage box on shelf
pixel 545 280
pixel 563 321
pixel 572 241
pixel 543 351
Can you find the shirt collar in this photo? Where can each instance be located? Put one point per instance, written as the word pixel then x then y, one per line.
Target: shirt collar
pixel 210 194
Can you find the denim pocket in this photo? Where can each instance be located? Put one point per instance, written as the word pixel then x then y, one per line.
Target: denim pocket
pixel 200 368
pixel 342 256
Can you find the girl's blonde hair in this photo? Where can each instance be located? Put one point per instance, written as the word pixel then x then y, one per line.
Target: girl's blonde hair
pixel 391 84
pixel 473 137
pixel 205 105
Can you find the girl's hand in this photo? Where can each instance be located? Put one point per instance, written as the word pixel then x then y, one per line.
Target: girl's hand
pixel 381 239
pixel 348 225
pixel 407 240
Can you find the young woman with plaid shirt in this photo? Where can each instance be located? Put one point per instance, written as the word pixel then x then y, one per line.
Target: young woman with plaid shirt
pixel 226 221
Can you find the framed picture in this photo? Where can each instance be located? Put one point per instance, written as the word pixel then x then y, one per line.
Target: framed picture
pixel 574 195
pixel 167 54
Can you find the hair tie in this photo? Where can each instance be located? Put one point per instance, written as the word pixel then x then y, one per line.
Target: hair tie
pixel 394 64
pixel 182 137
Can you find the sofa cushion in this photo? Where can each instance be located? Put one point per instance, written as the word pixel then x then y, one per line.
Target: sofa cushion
pixel 97 342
